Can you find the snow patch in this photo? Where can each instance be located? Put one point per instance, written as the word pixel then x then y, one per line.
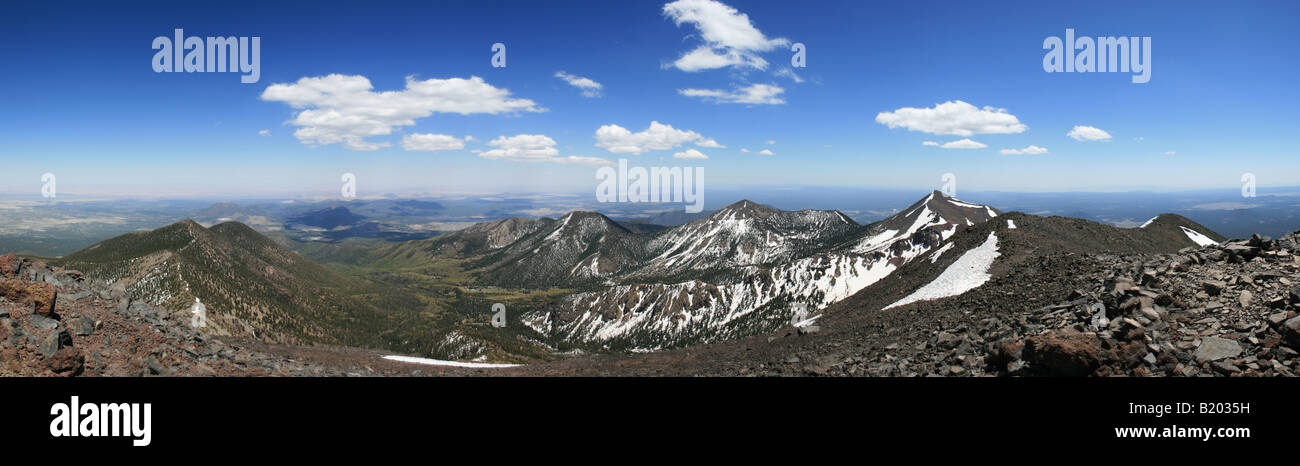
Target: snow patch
pixel 1148 223
pixel 969 272
pixel 935 258
pixel 1199 239
pixel 878 241
pixel 439 362
pixel 961 203
pixel 1011 224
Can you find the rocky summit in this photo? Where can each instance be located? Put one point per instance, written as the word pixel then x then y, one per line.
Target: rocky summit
pixel 1225 310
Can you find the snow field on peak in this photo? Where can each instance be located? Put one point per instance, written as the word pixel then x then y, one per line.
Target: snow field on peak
pixel 969 272
pixel 1196 237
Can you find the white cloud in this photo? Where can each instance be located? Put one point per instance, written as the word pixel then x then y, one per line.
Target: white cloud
pixel 690 154
pixel 705 58
pixel 1031 150
pixel 265 132
pixel 432 142
pixel 345 109
pixel 522 148
pixel 1088 133
pixel 963 144
pixel 765 152
pixel 955 118
pixel 929 143
pixel 789 73
pixel 730 39
pixel 771 142
pixel 534 148
pixel 658 136
pixel 752 94
pixel 744 150
pixel 710 143
pixel 589 88
pixel 1171 153
pixel 580 160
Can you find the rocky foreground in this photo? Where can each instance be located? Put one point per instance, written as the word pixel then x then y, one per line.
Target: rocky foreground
pixel 54 322
pixel 1224 310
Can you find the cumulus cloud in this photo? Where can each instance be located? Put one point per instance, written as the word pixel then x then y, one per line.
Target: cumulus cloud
pixel 709 143
pixel 588 87
pixel 619 140
pixel 753 94
pixel 706 58
pixel 265 132
pixel 955 118
pixel 1171 153
pixel 432 142
pixel 690 154
pixel 963 144
pixel 771 142
pixel 522 148
pixel 929 143
pixel 1088 133
pixel 730 39
pixel 744 150
pixel 345 109
pixel 765 152
pixel 534 148
pixel 1031 150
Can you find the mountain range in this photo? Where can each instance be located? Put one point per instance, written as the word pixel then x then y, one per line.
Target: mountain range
pixel 584 281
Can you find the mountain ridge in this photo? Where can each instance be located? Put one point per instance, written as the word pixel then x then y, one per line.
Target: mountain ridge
pixel 251 285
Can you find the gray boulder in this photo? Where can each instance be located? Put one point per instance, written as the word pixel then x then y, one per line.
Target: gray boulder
pixel 1215 348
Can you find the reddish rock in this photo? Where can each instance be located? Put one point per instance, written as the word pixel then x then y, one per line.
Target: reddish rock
pixel 9 265
pixel 1003 353
pixel 1065 353
pixel 40 295
pixel 67 361
pixel 1123 354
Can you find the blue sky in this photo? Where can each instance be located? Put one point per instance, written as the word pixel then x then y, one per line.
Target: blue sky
pixel 82 101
